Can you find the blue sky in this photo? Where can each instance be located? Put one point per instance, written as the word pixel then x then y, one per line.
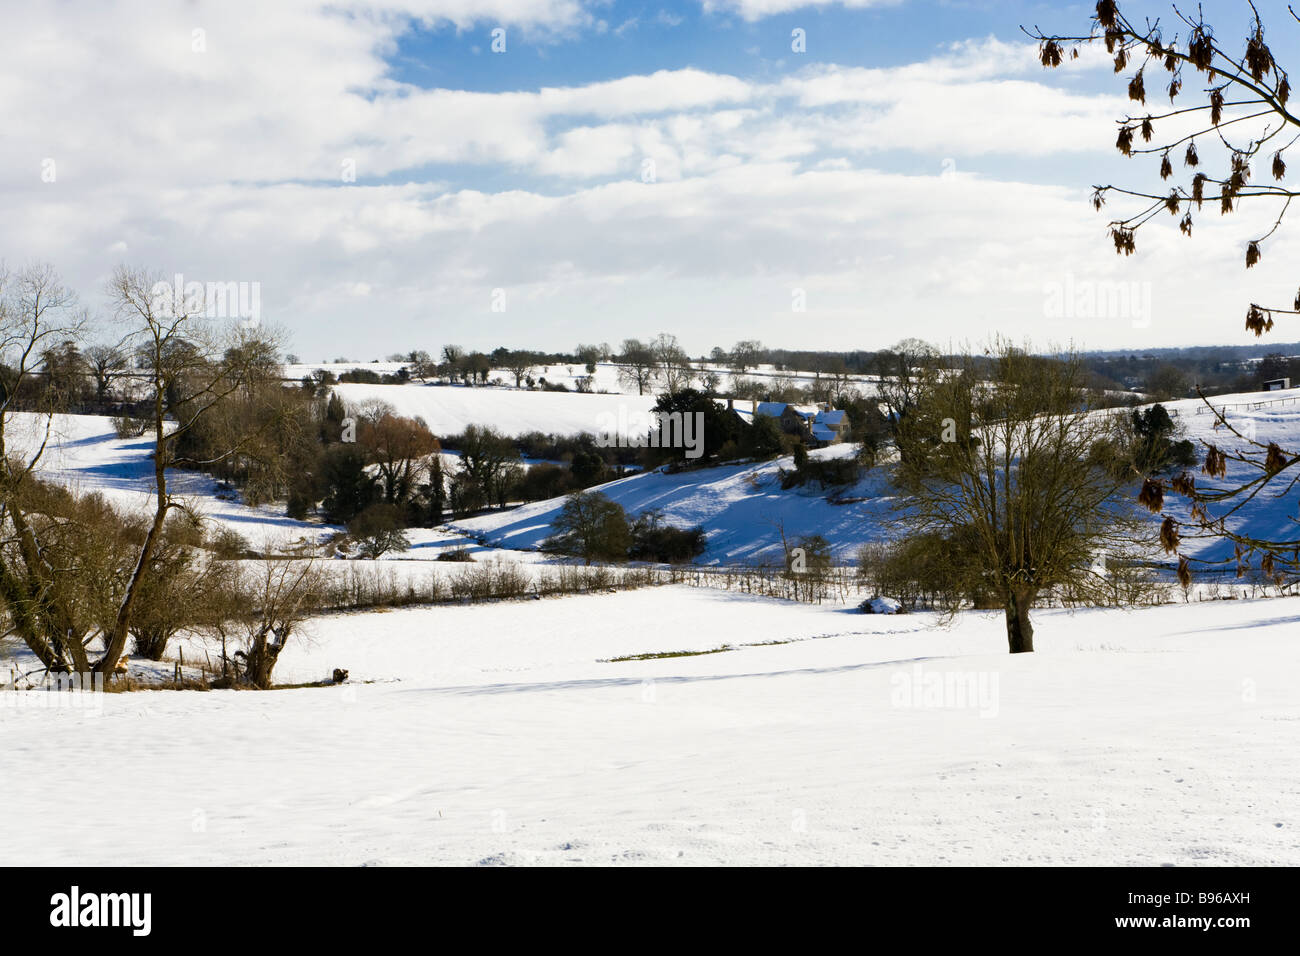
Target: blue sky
pixel 623 168
pixel 643 37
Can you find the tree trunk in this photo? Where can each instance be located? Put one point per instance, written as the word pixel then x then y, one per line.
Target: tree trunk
pixel 115 639
pixel 1020 632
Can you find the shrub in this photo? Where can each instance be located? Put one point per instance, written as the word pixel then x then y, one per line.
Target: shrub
pixel 822 471
pixel 653 541
pixel 807 568
pixel 592 527
pixel 455 554
pixel 921 569
pixel 226 544
pixel 378 530
pixel 544 481
pixel 762 439
pixel 124 426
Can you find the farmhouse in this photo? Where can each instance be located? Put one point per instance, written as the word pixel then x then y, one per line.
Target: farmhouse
pixel 817 425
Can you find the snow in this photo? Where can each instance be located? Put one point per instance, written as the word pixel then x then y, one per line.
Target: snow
pixel 85 454
pixel 449 409
pixel 742 507
pixel 604 379
pixel 503 733
pixel 676 725
pixel 1264 417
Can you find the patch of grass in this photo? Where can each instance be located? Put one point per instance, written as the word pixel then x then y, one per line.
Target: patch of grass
pixel 125 685
pixel 664 654
pixel 720 649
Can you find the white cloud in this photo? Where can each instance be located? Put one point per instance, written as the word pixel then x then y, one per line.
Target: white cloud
pixel 229 163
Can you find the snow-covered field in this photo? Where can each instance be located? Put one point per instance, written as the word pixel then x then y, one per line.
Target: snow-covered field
pixel 610 408
pixel 502 734
pixel 575 730
pixel 448 409
pixel 604 379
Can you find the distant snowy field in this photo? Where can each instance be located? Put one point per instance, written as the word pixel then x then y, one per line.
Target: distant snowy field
pixel 604 379
pixel 500 734
pixel 449 409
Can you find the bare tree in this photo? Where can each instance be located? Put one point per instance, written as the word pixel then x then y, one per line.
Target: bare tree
pixel 903 370
pixel 672 363
pixel 637 365
pixel 190 367
pixel 398 447
pixel 520 363
pixel 745 355
pixel 36 311
pixel 105 363
pixel 589 355
pixel 280 595
pixel 490 462
pixel 420 364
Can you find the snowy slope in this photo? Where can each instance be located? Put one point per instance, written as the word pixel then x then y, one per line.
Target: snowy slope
pixel 1265 417
pixel 498 734
pixel 84 453
pixel 742 507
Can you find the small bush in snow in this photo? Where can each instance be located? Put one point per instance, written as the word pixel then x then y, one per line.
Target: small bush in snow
pixel 456 554
pixel 880 605
pixel 378 530
pixel 592 527
pixel 124 426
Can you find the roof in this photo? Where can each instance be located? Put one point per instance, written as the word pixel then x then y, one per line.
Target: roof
pixel 775 409
pixel 833 418
pixel 823 433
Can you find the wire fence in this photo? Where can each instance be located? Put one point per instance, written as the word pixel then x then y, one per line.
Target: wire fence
pixel 1220 409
